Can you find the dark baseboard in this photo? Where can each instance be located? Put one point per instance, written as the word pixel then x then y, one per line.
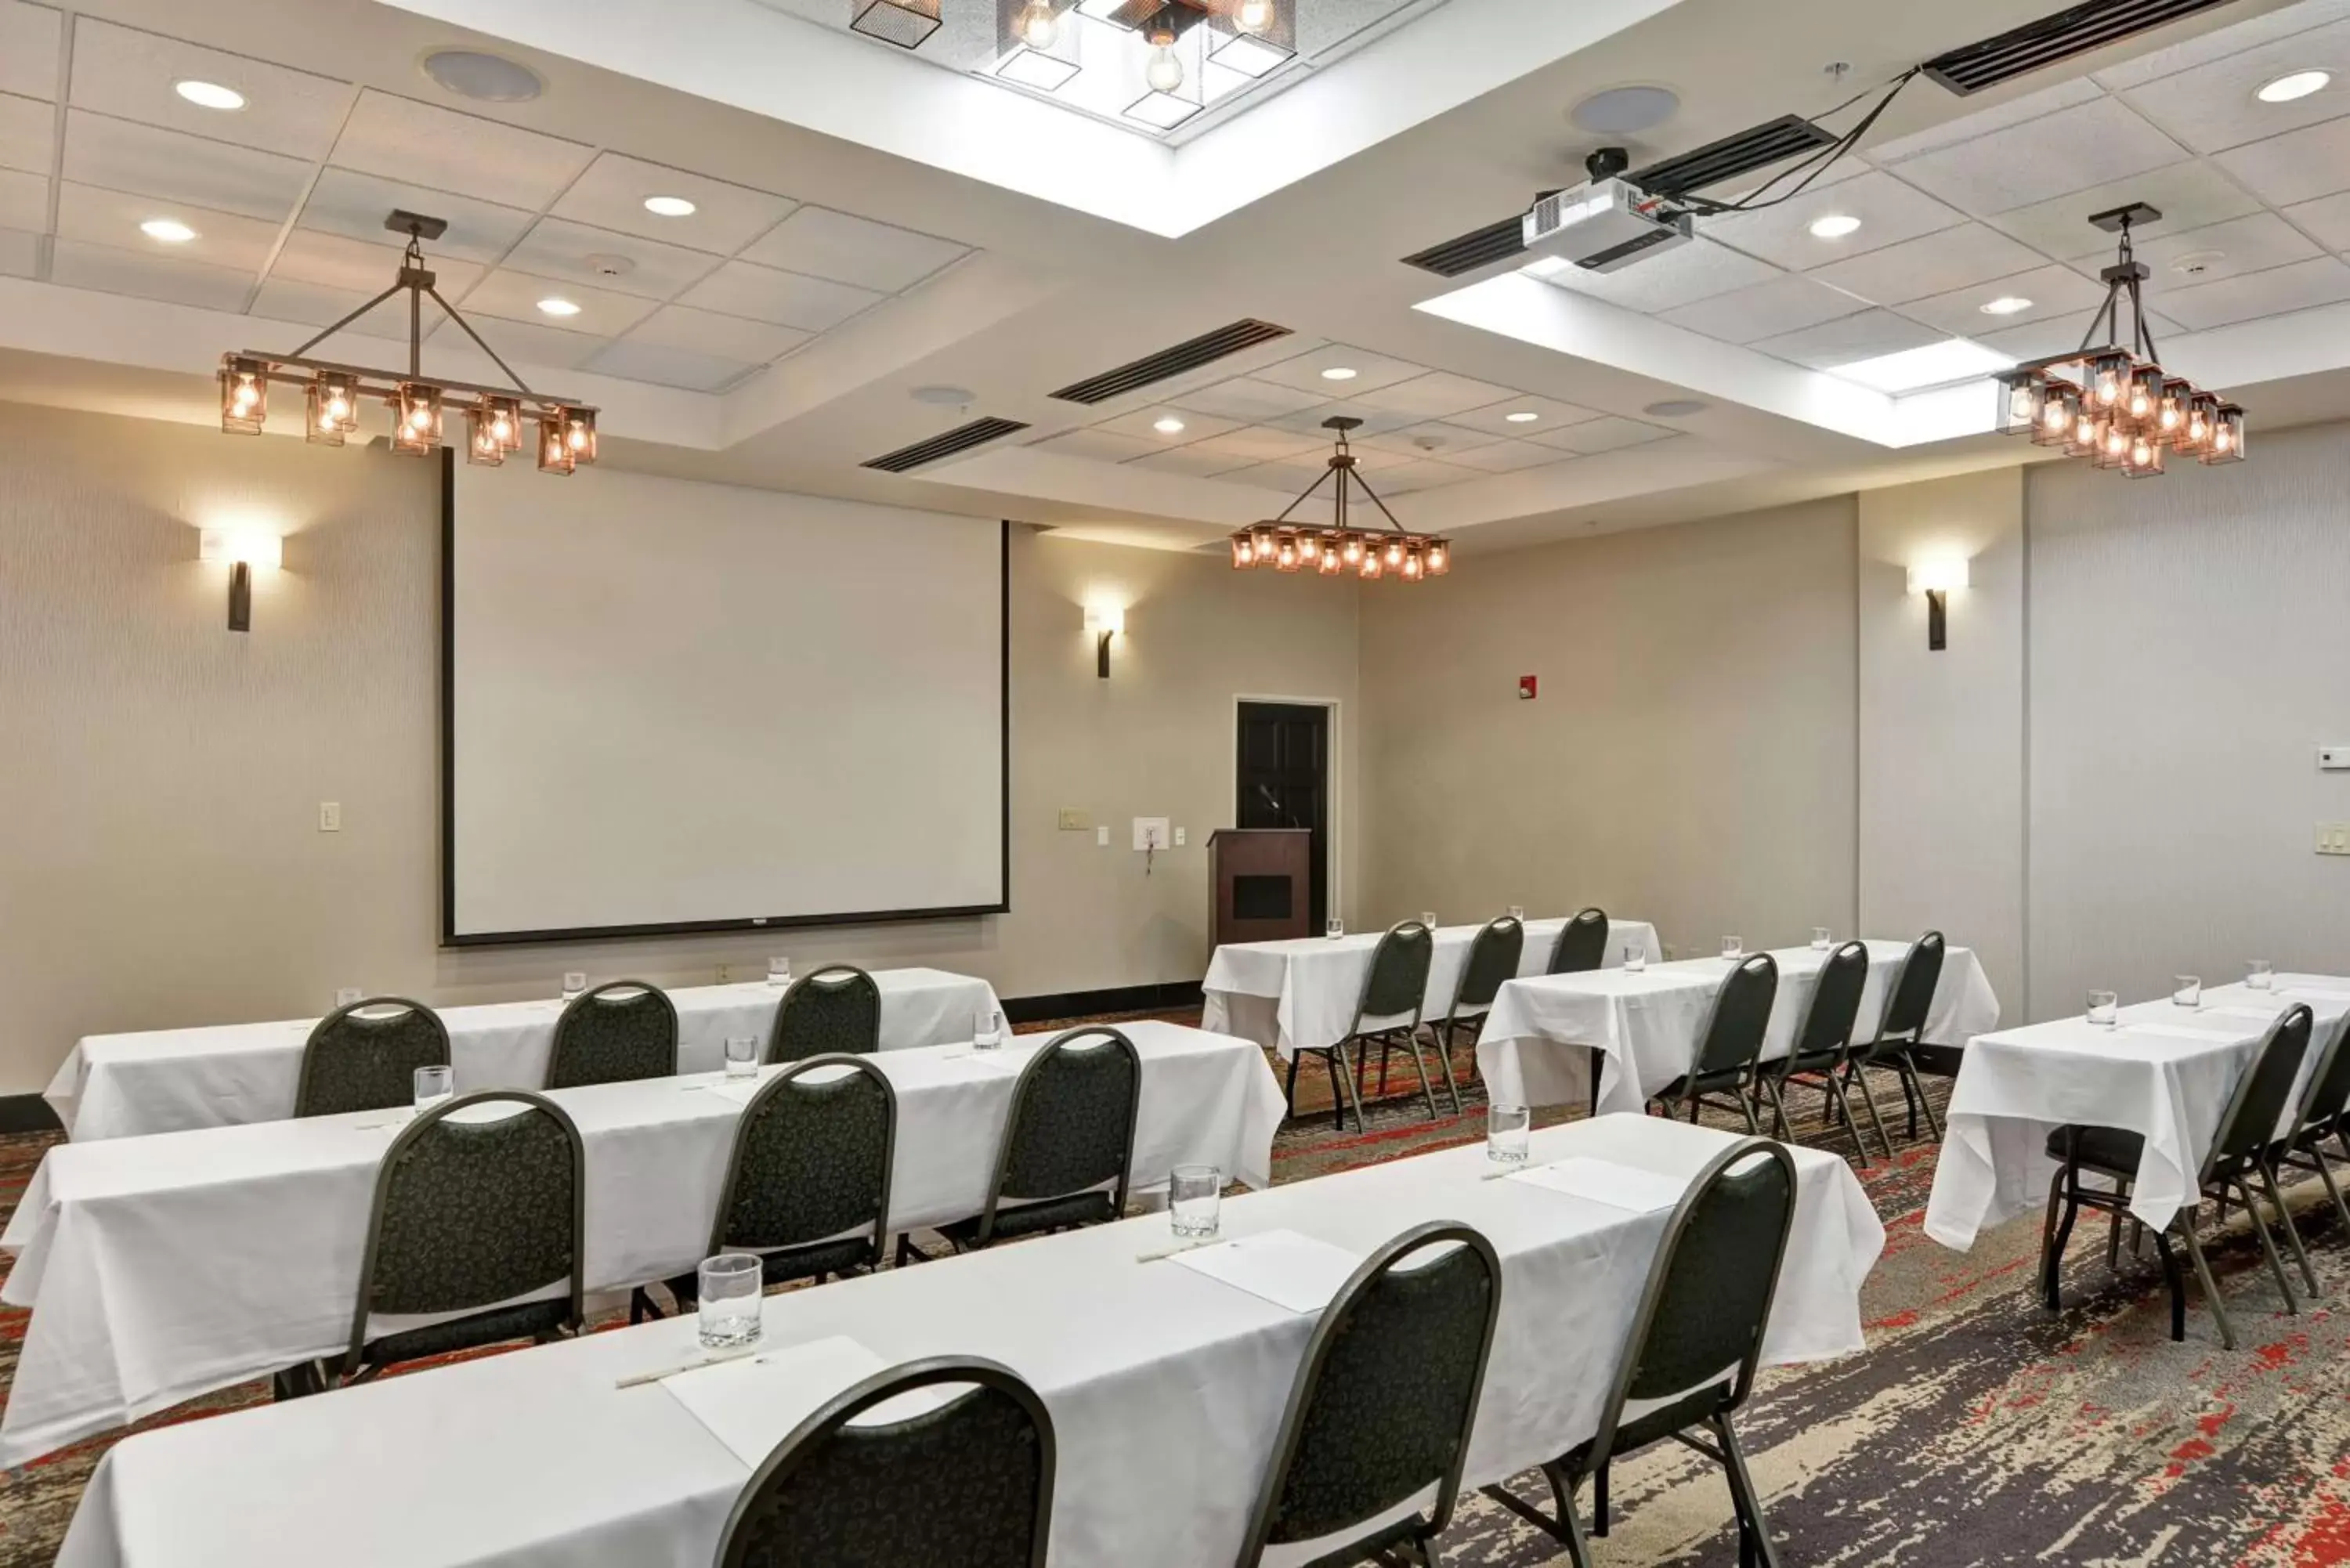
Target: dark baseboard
pixel 1090 1003
pixel 31 1114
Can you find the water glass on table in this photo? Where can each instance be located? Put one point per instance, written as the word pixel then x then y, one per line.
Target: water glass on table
pixel 1427 919
pixel 1194 1200
pixel 1334 927
pixel 779 972
pixel 1733 949
pixel 2187 991
pixel 1509 1134
pixel 2259 975
pixel 573 982
pixel 986 1034
pixel 727 1306
pixel 1822 938
pixel 2105 1009
pixel 1635 956
pixel 434 1085
pixel 742 1056
pixel 1518 913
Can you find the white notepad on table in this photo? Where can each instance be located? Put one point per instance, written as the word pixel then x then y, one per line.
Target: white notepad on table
pixel 1605 1181
pixel 751 1403
pixel 1283 1267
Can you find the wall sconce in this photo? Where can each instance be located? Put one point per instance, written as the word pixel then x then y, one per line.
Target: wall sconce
pixel 1934 579
pixel 1105 621
pixel 243 551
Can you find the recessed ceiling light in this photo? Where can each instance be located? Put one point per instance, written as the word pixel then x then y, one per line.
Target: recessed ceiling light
pixel 2297 84
pixel 1339 373
pixel 477 73
pixel 1935 365
pixel 210 95
pixel 669 207
pixel 1623 111
pixel 1168 425
pixel 2005 304
pixel 1834 226
pixel 1522 417
pixel 171 230
pixel 556 305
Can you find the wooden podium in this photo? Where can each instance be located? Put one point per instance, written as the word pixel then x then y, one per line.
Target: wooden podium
pixel 1258 884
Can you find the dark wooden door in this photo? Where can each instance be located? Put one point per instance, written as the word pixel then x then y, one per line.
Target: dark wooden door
pixel 1284 773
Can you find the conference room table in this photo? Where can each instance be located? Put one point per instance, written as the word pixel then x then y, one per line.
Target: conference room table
pixel 2164 1072
pixel 1165 1384
pixel 160 1268
pixel 1544 1036
pixel 1302 991
pixel 168 1080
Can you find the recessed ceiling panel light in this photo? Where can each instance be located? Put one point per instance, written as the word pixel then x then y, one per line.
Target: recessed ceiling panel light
pixel 1834 226
pixel 210 95
pixel 2005 304
pixel 170 231
pixel 1339 373
pixel 479 75
pixel 2298 84
pixel 1935 365
pixel 1168 425
pixel 556 305
pixel 669 207
pixel 1522 417
pixel 1620 111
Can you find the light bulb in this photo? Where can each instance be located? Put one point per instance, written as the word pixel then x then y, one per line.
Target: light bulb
pixel 2141 451
pixel 1354 550
pixel 419 417
pixel 1038 28
pixel 2138 405
pixel 1395 553
pixel 1165 72
pixel 247 394
pixel 1254 15
pixel 2221 437
pixel 2054 416
pixel 1309 547
pixel 338 407
pixel 2116 442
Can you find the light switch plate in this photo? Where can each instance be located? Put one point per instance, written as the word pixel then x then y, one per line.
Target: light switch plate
pixel 2333 758
pixel 1179 838
pixel 2334 838
pixel 1150 833
pixel 331 816
pixel 1101 836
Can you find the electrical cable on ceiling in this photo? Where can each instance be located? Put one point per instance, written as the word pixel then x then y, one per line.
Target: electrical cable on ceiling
pixel 1817 163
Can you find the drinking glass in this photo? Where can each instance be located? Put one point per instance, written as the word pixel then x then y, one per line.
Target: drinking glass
pixel 729 1302
pixel 742 1055
pixel 1733 949
pixel 1508 1129
pixel 1822 938
pixel 347 995
pixel 984 1034
pixel 2105 1009
pixel 573 982
pixel 779 971
pixel 1518 913
pixel 1635 956
pixel 1334 927
pixel 433 1084
pixel 1427 919
pixel 2259 975
pixel 2187 989
pixel 1193 1195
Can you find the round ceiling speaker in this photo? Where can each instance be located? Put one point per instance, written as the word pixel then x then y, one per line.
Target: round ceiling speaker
pixel 1675 408
pixel 1624 111
pixel 491 78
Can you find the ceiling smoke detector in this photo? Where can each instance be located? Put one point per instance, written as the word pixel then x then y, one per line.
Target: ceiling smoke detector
pixel 483 77
pixel 2195 264
pixel 604 264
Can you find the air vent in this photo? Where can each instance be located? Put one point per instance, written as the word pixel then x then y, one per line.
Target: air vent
pixel 1478 248
pixel 1756 147
pixel 2077 30
pixel 963 438
pixel 1204 349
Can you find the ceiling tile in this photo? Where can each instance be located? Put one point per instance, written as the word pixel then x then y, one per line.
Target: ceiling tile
pixel 399 139
pixel 1190 460
pixel 1934 264
pixel 1260 443
pixel 1890 212
pixel 2327 220
pixel 2222 42
pixel 820 243
pixel 354 205
pixel 1303 372
pixel 1436 436
pixel 2322 281
pixel 639 361
pixel 2054 291
pixel 1289 478
pixel 120 156
pixel 110 218
pixel 514 296
pixel 2057 335
pixel 317 305
pixel 1601 435
pixel 1097 446
pixel 1246 397
pixel 1432 395
pixel 1507 456
pixel 1424 475
pixel 1849 338
pixel 24 202
pixel 519 343
pixel 112 271
pixel 1141 424
pixel 787 299
pixel 2188 196
pixel 28 134
pixel 2069 151
pixel 29 50
pixel 1309 421
pixel 1682 275
pixel 727 217
pixel 1549 414
pixel 364 268
pixel 716 336
pixel 20 253
pixel 2252 243
pixel 555 247
pixel 130 75
pixel 1966 127
pixel 1767 309
pixel 2213 106
pixel 2299 166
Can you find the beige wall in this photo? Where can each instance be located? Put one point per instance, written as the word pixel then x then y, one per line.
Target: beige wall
pixel 1689 760
pixel 161 864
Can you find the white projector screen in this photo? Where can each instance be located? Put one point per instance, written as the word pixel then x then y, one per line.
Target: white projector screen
pixel 672 706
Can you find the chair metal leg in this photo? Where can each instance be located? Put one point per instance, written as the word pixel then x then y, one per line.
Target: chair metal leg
pixel 2291 1231
pixel 1289 1088
pixel 1746 1104
pixel 1910 1079
pixel 1844 1113
pixel 1448 1042
pixel 2203 1277
pixel 1338 1093
pixel 2055 1259
pixel 2113 1242
pixel 1599 1502
pixel 1354 1095
pixel 1562 1525
pixel 1748 1502
pixel 1910 1099
pixel 1420 1065
pixel 2047 1279
pixel 1387 1054
pixel 2178 1285
pixel 2324 1174
pixel 2269 1248
pixel 1855 1072
pixel 1780 1127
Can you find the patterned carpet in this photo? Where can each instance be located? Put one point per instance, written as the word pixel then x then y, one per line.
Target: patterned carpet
pixel 1977 1430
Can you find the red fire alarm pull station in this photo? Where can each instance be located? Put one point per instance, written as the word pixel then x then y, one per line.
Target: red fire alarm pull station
pixel 1526 687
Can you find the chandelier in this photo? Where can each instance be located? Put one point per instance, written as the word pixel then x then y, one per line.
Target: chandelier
pixel 2114 405
pixel 1368 553
pixel 333 394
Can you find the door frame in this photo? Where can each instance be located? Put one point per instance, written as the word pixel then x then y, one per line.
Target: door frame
pixel 1333 805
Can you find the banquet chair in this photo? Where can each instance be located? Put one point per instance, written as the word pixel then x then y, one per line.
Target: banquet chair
pixel 1494 954
pixel 1394 986
pixel 807 1186
pixel 1068 1145
pixel 1367 1428
pixel 834 1009
pixel 1582 944
pixel 967 1483
pixel 1695 1344
pixel 1730 1046
pixel 1823 1042
pixel 623 1030
pixel 2325 1114
pixel 364 1058
pixel 2241 1151
pixel 470 1214
pixel 1901 1037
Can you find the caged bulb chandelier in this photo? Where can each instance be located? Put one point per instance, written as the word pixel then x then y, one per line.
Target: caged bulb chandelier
pixel 2114 404
pixel 1369 554
pixel 420 405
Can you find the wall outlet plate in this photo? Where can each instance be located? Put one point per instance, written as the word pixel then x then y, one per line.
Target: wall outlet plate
pixel 2334 838
pixel 1074 820
pixel 2333 758
pixel 1150 833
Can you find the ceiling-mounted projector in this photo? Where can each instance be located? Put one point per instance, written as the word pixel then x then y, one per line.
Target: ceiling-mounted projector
pixel 1606 223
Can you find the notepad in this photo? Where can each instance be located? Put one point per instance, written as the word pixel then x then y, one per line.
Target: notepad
pixel 1605 1181
pixel 1294 1271
pixel 991 1060
pixel 752 1402
pixel 742 1091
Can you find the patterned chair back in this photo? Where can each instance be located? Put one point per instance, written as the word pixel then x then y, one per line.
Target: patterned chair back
pixel 1370 1422
pixel 831 1010
pixel 1494 956
pixel 623 1030
pixel 1582 944
pixel 1072 1123
pixel 2329 1083
pixel 966 1485
pixel 1835 1008
pixel 364 1058
pixel 1913 991
pixel 1397 982
pixel 812 1157
pixel 2258 1102
pixel 1732 1036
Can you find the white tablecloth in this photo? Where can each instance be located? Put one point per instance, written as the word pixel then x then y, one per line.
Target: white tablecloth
pixel 167 1080
pixel 1166 1387
pixel 2164 1073
pixel 1303 992
pixel 1535 1048
pixel 162 1268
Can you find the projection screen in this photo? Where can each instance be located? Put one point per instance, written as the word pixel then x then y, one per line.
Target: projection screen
pixel 674 706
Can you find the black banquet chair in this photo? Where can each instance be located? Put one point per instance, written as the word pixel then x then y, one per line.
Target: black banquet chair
pixel 1695 1345
pixel 967 1484
pixel 364 1056
pixel 828 1010
pixel 1730 1046
pixel 1823 1043
pixel 1581 945
pixel 1387 1009
pixel 2325 1114
pixel 1494 954
pixel 1383 1405
pixel 623 1030
pixel 807 1186
pixel 1900 1041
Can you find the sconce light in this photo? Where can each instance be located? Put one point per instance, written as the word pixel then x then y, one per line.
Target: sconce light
pixel 1105 621
pixel 242 552
pixel 1934 579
